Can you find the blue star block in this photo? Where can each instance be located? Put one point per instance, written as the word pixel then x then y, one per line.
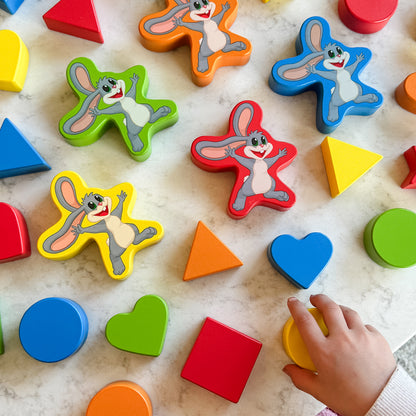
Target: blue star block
pixel 330 69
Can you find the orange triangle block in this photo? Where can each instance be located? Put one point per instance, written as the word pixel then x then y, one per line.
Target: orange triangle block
pixel 76 18
pixel 208 255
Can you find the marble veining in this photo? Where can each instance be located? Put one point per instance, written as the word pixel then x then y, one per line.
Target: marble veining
pixel 174 192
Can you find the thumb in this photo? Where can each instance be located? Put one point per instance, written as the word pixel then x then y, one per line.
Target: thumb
pixel 303 379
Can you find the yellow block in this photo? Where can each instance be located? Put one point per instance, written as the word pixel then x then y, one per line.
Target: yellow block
pixel 294 345
pixel 345 163
pixel 14 61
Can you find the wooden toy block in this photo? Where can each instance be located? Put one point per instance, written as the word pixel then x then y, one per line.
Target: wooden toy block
pixel 390 238
pixel 204 25
pixel 300 261
pixel 221 360
pixel 15 241
pixel 1 340
pixel 17 155
pixel 406 93
pixel 14 61
pixel 208 255
pixel 75 17
pixel 330 69
pixel 10 6
pixel 410 181
pixel 100 215
pixel 120 398
pixel 53 329
pixel 366 16
pixel 108 98
pixel 345 163
pixel 256 158
pixel 141 331
pixel 294 345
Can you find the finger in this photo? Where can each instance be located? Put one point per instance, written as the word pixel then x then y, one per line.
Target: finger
pixel 332 313
pixel 304 380
pixel 373 330
pixel 308 327
pixel 352 318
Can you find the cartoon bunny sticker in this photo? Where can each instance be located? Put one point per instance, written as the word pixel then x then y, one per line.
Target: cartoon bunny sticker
pixel 254 155
pixel 321 60
pixel 205 23
pixel 99 215
pixel 114 98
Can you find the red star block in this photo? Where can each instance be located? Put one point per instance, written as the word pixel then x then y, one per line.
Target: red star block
pixel 410 181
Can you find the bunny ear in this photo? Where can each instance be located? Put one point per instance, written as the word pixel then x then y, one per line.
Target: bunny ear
pixel 242 118
pixel 84 118
pixel 80 77
pixel 166 24
pixel 295 72
pixel 66 194
pixel 313 35
pixel 66 236
pixel 217 150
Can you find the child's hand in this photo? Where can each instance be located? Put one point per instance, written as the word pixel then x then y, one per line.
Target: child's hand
pixel 354 362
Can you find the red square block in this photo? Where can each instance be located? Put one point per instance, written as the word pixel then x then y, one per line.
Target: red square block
pixel 221 360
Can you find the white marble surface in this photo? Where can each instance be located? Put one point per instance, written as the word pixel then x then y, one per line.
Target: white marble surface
pixel 176 193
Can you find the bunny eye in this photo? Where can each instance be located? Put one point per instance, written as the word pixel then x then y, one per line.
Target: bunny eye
pixel 197 5
pixel 331 53
pixel 339 50
pixel 106 88
pixel 205 2
pixel 263 140
pixel 254 141
pixel 112 81
pixel 91 205
pixel 98 198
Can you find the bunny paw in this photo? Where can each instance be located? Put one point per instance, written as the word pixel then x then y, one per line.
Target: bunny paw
pixel 95 111
pixel 118 266
pixel 122 196
pixel 161 112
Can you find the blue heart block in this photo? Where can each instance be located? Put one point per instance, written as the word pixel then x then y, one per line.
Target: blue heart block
pixel 300 261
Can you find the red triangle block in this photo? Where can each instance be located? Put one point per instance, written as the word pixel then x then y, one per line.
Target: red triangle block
pixel 76 18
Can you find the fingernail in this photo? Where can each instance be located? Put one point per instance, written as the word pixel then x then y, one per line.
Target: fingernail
pixel 292 299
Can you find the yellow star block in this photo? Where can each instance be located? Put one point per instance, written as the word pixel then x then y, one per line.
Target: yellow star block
pixel 101 215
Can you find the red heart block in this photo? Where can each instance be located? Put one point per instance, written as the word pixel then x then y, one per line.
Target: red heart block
pixel 14 241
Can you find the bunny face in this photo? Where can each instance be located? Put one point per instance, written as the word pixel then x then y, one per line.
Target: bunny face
pixel 201 10
pixel 257 146
pixel 111 90
pixel 335 58
pixel 97 207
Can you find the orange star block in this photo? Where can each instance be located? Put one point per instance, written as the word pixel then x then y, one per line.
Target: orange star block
pixel 204 25
pixel 410 181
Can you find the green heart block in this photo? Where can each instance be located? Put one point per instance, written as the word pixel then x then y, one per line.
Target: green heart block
pixel 141 331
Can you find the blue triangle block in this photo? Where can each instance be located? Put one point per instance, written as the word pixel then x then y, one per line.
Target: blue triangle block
pixel 10 6
pixel 17 155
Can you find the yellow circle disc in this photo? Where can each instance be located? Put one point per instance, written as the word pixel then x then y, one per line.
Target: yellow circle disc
pixel 293 343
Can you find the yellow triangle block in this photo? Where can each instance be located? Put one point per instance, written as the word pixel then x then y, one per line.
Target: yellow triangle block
pixel 345 163
pixel 208 255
